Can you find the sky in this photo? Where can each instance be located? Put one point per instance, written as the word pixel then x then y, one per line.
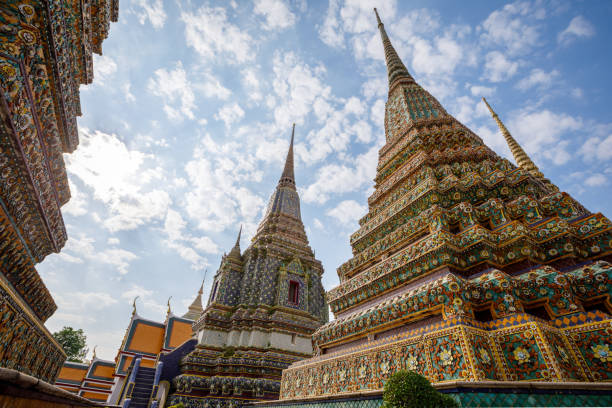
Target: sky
pixel 188 119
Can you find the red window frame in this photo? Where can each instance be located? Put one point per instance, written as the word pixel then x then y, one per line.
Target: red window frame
pixel 294 292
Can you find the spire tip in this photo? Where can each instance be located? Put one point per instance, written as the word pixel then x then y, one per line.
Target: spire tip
pixel 377 16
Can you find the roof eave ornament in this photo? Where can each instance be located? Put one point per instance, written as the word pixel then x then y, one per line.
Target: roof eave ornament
pixel 134 312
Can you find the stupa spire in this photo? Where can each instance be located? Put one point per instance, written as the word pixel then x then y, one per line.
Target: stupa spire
pixel 396 69
pixel 520 156
pixel 288 176
pixel 195 309
pixel 235 252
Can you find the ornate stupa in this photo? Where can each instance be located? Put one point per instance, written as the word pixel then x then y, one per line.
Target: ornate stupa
pixel 264 305
pixel 466 268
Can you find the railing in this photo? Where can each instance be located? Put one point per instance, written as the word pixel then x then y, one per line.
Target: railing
pixel 158 371
pixel 131 382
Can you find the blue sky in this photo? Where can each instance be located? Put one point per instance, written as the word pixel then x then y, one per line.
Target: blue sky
pixel 187 123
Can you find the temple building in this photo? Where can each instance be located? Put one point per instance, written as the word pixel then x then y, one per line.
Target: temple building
pixel 144 340
pixel 45 54
pixel 466 269
pixel 91 380
pixel 264 305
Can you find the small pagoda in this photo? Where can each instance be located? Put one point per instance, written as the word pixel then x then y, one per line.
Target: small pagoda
pixel 466 269
pixel 263 308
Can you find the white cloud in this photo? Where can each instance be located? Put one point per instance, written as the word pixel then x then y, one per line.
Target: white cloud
pixel 126 89
pixel 330 32
pixel 377 114
pixel 540 133
pixel 145 299
pixel 183 242
pixel 276 13
pixel 230 114
pixel 479 90
pixel 338 179
pixel 318 224
pixel 210 33
pixel 347 212
pixel 152 10
pixel 538 77
pixel 217 175
pixel 596 180
pixel 513 27
pixel 299 87
pixel 113 241
pixel 120 178
pixel 211 86
pixel 596 148
pixel 579 27
pixel 355 18
pixel 119 258
pixel 498 68
pixel 77 301
pixel 77 205
pixel 104 68
pixel 252 84
pixel 375 87
pixel 176 90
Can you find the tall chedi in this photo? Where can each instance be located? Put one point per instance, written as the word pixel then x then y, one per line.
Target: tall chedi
pixel 264 306
pixel 465 268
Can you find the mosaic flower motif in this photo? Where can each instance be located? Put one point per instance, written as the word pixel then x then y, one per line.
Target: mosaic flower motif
pixel 484 355
pixel 362 371
pixel 602 352
pixel 27 11
pixel 342 375
pixel 562 353
pixel 8 71
pixel 412 363
pixel 325 378
pixel 384 367
pixel 446 358
pixel 521 355
pixel 27 36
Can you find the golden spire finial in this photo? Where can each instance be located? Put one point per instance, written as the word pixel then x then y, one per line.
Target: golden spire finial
pixel 169 309
pixel 94 353
pixel 134 306
pixel 520 156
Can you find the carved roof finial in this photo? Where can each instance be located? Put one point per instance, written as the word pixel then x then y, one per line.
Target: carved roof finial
pixel 169 308
pixel 134 306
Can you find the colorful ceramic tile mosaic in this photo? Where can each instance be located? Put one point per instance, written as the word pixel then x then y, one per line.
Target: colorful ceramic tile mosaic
pixel 45 54
pixel 466 267
pixel 271 291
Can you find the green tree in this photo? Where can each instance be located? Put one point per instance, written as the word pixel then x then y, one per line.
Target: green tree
pixel 407 389
pixel 73 342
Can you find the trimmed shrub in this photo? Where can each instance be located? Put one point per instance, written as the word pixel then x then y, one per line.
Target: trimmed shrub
pixel 407 389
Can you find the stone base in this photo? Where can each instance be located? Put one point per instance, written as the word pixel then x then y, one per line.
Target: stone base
pixel 477 394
